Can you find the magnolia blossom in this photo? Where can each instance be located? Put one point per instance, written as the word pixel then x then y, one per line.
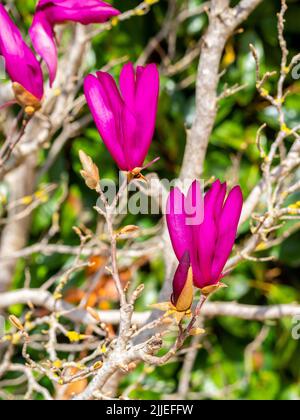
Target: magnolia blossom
pixel 20 62
pixel 182 296
pixel 126 118
pixel 208 243
pixel 51 12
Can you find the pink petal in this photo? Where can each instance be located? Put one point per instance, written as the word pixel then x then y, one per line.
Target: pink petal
pixel 194 205
pixel 130 139
pixel 127 85
pixel 106 107
pixel 180 233
pixel 219 203
pixel 85 12
pixel 124 119
pixel 43 41
pixel 146 103
pixel 132 115
pixel 20 62
pixel 180 277
pixel 227 229
pixel 51 12
pixel 205 237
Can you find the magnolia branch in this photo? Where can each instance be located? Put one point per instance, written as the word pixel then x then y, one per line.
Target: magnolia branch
pixel 40 298
pixel 223 21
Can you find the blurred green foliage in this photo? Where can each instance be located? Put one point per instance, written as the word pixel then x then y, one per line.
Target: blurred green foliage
pixel 220 370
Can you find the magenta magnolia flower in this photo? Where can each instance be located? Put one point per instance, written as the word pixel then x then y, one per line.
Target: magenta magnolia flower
pixel 51 12
pixel 182 296
pixel 209 243
pixel 20 62
pixel 126 119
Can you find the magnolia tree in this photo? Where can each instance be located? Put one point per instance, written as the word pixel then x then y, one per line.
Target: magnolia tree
pixel 50 98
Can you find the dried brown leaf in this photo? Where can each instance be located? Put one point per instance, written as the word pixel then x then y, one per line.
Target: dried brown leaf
pixel 128 229
pixel 16 322
pixel 90 172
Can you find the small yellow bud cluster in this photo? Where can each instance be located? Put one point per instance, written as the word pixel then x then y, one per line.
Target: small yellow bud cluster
pixel 141 11
pixel 114 21
pixel 286 69
pixel 279 101
pixel 40 195
pixel 98 365
pixel 74 336
pixel 58 364
pixel 264 92
pixel 261 247
pixel 294 208
pixel 293 211
pixel 285 129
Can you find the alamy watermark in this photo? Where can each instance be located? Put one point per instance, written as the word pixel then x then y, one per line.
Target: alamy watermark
pixel 151 197
pixel 2 68
pixel 296 327
pixel 3 76
pixel 296 72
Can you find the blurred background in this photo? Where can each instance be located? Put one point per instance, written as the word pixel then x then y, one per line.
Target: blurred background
pixel 236 359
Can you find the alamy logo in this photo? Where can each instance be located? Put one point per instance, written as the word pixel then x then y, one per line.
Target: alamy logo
pixel 2 68
pixel 296 72
pixel 296 327
pixel 136 200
